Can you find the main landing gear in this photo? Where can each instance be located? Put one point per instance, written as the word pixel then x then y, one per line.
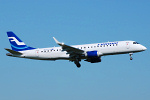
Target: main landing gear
pixel 77 63
pixel 131 56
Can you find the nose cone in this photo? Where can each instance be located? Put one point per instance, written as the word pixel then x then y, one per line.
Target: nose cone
pixel 144 48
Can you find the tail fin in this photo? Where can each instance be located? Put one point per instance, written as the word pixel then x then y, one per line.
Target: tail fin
pixel 16 43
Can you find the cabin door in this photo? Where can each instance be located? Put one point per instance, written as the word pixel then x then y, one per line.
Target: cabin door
pixel 127 45
pixel 37 53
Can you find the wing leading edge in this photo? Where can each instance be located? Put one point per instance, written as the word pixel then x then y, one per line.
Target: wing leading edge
pixel 70 50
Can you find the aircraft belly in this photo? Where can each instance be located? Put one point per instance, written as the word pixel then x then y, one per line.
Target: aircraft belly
pixel 58 55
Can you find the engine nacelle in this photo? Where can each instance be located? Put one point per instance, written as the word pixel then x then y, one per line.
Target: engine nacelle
pixel 94 60
pixel 93 54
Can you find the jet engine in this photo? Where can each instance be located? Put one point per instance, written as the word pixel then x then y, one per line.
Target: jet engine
pixel 93 54
pixel 94 60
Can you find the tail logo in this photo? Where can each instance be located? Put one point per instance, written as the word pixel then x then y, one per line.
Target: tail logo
pixel 15 40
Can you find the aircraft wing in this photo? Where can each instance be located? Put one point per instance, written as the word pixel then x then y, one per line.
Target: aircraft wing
pixel 70 50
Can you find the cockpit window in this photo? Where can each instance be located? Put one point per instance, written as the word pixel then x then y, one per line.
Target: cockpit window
pixel 135 43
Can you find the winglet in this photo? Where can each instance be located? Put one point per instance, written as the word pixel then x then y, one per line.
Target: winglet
pixel 58 41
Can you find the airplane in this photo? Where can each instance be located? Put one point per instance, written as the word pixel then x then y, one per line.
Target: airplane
pixel 75 53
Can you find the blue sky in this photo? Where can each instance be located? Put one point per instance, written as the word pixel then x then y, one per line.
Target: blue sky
pixel 75 22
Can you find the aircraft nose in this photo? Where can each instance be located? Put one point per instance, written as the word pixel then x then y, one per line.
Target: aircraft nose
pixel 144 48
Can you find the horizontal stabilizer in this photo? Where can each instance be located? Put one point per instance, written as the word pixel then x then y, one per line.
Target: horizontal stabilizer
pixel 13 52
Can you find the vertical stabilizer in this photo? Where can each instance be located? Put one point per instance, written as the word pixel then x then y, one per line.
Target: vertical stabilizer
pixel 16 43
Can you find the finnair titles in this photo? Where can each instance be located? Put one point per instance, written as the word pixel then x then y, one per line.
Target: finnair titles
pixel 88 52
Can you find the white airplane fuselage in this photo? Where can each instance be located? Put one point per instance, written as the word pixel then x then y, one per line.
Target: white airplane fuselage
pixel 75 53
pixel 56 53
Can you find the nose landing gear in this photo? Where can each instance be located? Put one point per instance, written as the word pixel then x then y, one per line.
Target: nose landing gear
pixel 131 56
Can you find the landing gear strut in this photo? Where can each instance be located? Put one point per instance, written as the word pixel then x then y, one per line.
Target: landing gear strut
pixel 131 56
pixel 77 63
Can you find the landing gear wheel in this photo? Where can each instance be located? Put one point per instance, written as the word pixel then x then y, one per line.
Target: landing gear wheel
pixel 78 65
pixel 131 58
